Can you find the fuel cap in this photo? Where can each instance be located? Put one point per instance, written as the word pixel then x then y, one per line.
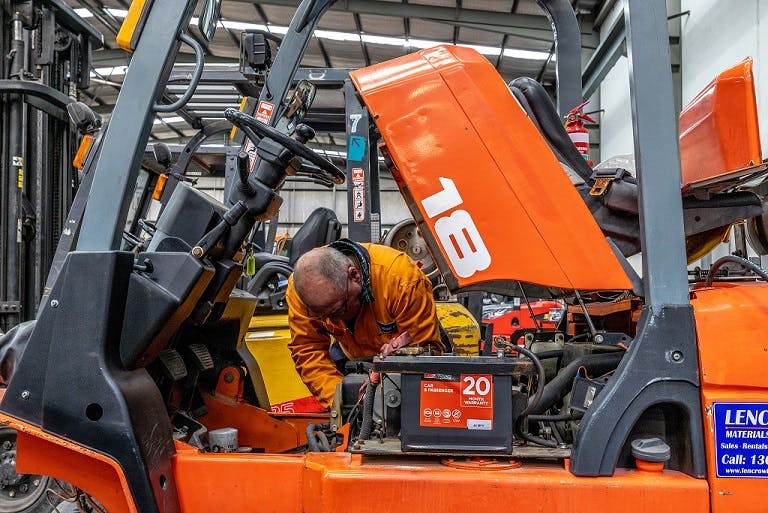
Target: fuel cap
pixel 651 449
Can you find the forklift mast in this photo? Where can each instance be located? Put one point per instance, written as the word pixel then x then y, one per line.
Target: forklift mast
pixel 46 51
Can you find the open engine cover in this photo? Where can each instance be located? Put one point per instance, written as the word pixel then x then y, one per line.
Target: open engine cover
pixel 490 198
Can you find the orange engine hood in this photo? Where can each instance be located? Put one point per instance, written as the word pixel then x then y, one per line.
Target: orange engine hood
pixel 490 198
pixel 719 130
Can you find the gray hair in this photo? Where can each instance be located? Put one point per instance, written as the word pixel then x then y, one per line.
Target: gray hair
pixel 326 264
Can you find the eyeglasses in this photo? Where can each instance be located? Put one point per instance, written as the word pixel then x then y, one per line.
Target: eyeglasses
pixel 336 313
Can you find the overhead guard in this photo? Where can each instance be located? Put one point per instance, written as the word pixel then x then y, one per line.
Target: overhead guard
pixel 490 198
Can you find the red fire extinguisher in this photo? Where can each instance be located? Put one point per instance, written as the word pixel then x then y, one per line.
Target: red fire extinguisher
pixel 574 125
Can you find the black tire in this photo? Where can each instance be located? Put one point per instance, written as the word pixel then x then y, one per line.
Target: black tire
pixel 24 492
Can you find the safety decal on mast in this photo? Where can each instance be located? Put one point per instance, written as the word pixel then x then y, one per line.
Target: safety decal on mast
pixel 358 194
pixel 741 439
pixel 264 112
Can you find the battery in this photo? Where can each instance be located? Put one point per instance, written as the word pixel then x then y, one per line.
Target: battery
pixel 456 403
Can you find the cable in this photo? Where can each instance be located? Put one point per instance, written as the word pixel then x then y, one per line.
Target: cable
pixel 312 443
pixel 737 260
pixel 533 402
pixel 530 308
pixel 555 418
pixel 367 427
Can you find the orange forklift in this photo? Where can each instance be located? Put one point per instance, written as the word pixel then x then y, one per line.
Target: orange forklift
pixel 134 386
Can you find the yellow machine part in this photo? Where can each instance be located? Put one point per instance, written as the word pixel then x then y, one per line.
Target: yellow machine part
pixel 268 336
pixel 267 340
pixel 462 328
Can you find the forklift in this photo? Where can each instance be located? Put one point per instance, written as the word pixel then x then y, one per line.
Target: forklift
pixel 659 418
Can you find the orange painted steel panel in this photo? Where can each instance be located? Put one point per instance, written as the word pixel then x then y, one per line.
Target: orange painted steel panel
pixel 477 175
pixel 431 486
pixel 44 454
pixel 333 482
pixel 256 428
pixel 240 482
pixel 719 131
pixel 731 325
pixel 734 318
pixel 341 483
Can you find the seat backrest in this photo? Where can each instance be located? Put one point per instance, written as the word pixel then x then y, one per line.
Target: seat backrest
pixel 321 227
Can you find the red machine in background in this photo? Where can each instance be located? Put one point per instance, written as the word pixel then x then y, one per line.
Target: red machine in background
pixel 509 317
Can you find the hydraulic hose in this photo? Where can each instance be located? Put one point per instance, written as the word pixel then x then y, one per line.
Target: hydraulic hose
pixel 533 402
pixel 737 260
pixel 317 442
pixel 367 427
pixel 312 444
pixel 556 389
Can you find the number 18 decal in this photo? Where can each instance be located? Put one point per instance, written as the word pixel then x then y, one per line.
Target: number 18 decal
pixel 457 233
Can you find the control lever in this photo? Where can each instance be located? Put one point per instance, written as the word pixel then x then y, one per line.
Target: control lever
pixel 243 163
pixel 217 233
pixel 304 133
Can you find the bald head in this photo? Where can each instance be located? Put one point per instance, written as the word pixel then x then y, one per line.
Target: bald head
pixel 319 269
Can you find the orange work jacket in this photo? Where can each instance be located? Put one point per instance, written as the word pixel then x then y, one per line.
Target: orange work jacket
pixel 403 301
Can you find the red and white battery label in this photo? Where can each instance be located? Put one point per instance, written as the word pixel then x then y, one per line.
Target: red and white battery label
pixel 467 403
pixel 264 112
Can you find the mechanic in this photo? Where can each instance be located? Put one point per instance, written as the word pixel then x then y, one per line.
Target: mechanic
pixel 349 301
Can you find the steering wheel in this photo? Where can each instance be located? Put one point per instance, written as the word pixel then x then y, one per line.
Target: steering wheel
pixel 328 170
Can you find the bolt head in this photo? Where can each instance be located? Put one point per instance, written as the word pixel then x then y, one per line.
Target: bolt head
pixel 25 394
pixel 229 377
pixel 54 303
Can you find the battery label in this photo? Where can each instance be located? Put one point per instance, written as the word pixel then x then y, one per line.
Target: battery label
pixel 464 403
pixel 741 439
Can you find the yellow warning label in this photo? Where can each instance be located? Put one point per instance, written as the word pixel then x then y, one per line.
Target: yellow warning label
pixel 21 178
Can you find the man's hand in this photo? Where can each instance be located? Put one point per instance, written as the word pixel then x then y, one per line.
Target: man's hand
pixel 396 343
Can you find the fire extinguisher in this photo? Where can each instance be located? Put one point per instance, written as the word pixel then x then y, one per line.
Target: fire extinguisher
pixel 574 125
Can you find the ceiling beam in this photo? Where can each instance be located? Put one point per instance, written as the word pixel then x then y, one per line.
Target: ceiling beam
pixel 490 20
pixel 118 57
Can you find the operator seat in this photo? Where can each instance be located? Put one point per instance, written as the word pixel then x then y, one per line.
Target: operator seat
pixel 616 211
pixel 320 228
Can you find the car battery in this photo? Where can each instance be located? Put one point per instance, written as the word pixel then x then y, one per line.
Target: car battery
pixel 455 403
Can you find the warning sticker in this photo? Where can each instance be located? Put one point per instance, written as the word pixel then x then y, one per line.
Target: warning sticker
pixel 741 439
pixel 250 149
pixel 264 112
pixel 358 194
pixel 466 403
